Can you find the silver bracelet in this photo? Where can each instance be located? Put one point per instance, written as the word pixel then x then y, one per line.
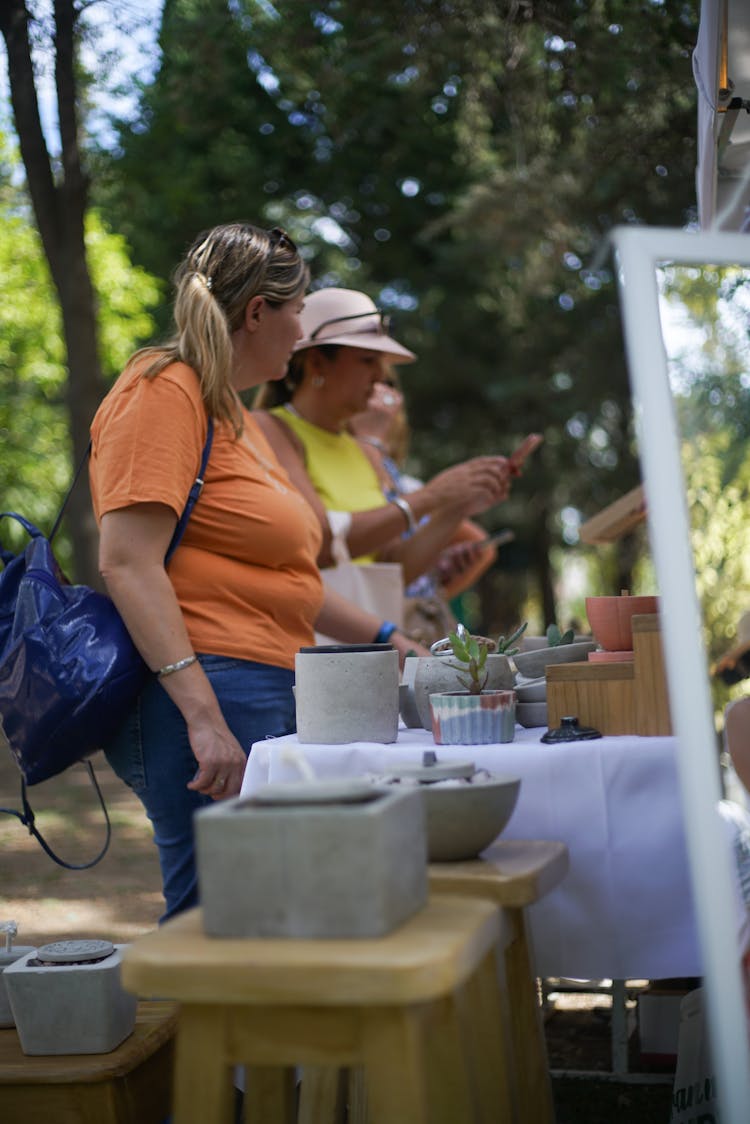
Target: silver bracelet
pixel 171 668
pixel 405 509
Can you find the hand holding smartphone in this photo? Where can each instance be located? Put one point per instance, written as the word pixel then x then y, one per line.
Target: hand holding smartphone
pixel 500 538
pixel 518 457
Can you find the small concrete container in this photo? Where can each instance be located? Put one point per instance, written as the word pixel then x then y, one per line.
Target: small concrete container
pixel 70 1008
pixel 347 693
pixel 7 958
pixel 345 859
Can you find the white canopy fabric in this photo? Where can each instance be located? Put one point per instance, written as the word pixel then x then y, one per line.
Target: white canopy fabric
pixel 723 119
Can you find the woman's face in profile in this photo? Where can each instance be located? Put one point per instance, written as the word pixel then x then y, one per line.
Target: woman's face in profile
pixel 279 331
pixel 351 375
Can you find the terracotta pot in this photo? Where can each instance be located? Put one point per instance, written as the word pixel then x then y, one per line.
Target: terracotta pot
pixel 611 619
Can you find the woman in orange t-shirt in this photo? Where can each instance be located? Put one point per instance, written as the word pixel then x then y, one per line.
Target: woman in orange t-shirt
pixel 221 623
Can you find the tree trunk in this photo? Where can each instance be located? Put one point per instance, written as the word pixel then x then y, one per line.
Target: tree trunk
pixel 59 209
pixel 541 545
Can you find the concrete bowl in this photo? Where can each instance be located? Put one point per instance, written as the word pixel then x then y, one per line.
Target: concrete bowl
pixel 464 819
pixel 534 664
pixel 531 714
pixel 531 690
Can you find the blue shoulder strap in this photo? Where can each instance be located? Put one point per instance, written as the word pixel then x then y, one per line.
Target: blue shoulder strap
pixel 192 499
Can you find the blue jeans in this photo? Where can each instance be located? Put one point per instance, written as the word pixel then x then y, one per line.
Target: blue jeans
pixel 152 754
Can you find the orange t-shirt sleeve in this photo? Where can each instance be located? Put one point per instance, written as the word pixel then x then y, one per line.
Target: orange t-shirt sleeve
pixel 151 449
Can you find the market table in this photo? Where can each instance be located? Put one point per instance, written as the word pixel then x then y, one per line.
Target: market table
pixel 625 908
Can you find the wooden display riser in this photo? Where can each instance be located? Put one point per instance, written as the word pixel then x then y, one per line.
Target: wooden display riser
pixel 129 1085
pixel 615 698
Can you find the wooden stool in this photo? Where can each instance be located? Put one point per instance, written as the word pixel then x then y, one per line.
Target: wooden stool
pixel 513 874
pixel 418 1009
pixel 129 1085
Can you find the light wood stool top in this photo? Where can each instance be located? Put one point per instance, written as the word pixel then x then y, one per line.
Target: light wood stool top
pixel 424 958
pixel 513 872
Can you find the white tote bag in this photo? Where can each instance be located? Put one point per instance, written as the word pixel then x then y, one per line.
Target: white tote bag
pixel 377 587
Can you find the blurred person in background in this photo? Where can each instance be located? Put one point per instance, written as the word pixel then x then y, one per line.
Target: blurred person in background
pixel 344 353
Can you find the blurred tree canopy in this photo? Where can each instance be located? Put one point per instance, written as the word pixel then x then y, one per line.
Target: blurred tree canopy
pixel 705 315
pixel 463 162
pixel 34 425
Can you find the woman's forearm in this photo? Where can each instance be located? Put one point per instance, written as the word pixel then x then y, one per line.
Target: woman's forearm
pixel 419 553
pixel 146 601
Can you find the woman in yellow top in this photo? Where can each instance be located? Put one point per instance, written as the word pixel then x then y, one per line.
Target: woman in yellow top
pixel 306 416
pixel 221 625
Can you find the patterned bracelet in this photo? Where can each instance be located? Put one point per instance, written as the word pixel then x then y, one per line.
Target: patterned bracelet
pixel 171 668
pixel 405 509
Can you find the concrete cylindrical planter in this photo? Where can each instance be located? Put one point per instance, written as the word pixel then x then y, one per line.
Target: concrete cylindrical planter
pixel 66 1002
pixel 459 718
pixel 428 675
pixel 347 693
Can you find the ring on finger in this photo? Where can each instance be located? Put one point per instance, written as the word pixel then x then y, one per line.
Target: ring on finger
pixel 220 782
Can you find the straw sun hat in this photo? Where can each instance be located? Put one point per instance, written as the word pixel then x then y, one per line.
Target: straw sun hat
pixel 345 316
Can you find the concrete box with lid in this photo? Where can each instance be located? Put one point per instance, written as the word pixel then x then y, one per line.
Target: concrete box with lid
pixel 330 868
pixel 616 698
pixel 70 1008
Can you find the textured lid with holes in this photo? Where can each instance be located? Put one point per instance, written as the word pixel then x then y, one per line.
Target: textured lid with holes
pixel 429 774
pixel 74 952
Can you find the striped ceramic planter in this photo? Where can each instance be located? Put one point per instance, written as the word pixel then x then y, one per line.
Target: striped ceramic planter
pixel 459 718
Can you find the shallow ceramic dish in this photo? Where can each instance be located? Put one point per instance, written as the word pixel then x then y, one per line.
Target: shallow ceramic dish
pixel 531 714
pixel 533 664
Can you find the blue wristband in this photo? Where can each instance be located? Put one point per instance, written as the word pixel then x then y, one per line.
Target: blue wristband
pixel 385 632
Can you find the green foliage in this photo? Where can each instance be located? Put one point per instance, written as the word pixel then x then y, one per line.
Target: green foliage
pixel 469 651
pixel 462 161
pixel 505 647
pixel 35 466
pixel 555 638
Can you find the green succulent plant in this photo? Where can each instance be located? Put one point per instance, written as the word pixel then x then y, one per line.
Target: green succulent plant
pixel 469 650
pixel 555 638
pixel 472 652
pixel 504 646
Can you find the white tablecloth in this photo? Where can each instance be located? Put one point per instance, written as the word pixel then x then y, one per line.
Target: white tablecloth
pixel 625 909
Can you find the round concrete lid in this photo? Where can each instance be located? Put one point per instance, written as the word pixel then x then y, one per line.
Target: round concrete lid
pixel 429 774
pixel 74 952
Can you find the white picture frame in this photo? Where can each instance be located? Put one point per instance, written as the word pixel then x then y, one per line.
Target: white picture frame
pixel 639 251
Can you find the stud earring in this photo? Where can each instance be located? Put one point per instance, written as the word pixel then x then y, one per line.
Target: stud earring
pixel 318 381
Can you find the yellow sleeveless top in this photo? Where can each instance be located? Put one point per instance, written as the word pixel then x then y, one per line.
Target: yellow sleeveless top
pixel 339 471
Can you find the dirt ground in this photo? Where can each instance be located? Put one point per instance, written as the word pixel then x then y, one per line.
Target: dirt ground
pixel 120 898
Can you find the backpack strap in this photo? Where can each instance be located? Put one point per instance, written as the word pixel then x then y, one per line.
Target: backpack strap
pixel 28 820
pixel 26 817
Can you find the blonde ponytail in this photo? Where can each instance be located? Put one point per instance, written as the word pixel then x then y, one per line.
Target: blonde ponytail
pixel 222 271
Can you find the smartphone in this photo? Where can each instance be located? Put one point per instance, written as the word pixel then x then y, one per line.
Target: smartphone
pixel 500 538
pixel 524 450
